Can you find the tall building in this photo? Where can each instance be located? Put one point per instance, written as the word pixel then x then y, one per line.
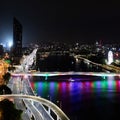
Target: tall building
pixel 17 38
pixel 1 50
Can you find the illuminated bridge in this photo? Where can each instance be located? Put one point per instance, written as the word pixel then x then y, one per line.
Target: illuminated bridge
pixel 104 66
pixel 49 74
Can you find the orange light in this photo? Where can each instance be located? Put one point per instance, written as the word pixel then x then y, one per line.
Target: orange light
pixel 3 68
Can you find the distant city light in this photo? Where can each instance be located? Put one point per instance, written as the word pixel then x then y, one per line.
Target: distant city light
pixel 10 43
pixel 110 57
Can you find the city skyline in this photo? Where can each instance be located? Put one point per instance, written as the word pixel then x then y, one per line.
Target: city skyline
pixel 61 21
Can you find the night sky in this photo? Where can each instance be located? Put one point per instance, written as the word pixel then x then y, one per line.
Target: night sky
pixel 61 21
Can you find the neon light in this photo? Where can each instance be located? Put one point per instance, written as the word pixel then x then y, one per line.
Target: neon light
pixel 44 74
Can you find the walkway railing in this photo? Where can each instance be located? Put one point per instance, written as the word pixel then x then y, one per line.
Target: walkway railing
pixel 60 115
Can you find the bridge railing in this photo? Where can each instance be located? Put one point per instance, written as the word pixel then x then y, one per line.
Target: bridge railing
pixel 60 115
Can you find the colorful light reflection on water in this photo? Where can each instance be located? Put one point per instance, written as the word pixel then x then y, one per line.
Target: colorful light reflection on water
pixel 70 95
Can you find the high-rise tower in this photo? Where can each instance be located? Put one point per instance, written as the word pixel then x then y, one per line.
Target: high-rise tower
pixel 17 38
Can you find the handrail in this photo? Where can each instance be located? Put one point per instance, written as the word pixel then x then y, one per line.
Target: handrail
pixel 43 101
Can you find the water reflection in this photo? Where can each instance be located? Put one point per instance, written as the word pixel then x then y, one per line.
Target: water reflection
pixel 72 95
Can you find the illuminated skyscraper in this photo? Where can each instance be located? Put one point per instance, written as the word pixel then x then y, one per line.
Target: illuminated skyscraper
pixel 17 37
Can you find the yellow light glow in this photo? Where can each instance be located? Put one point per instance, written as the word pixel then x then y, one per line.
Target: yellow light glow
pixel 3 68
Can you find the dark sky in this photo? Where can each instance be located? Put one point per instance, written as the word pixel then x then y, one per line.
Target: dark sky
pixel 61 21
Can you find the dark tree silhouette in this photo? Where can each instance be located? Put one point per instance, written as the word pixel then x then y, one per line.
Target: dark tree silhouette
pixel 6 77
pixel 8 111
pixel 4 89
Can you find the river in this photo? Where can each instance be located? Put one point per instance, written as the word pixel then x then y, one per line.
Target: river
pixel 81 97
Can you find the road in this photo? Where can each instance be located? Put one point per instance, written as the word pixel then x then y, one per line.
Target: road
pixel 19 85
pixel 107 67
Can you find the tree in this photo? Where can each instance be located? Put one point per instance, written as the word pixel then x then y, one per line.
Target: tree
pixel 8 111
pixel 4 89
pixel 6 77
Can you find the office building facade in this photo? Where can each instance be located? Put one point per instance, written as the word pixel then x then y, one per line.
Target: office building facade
pixel 17 38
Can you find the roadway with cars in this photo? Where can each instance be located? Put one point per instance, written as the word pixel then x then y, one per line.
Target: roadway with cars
pixel 20 86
